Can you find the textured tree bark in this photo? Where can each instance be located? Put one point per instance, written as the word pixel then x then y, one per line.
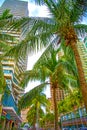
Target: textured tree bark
pixel 34 122
pixel 56 126
pixel 83 84
pixel 0 105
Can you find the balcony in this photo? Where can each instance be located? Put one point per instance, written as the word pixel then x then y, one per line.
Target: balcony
pixel 8 73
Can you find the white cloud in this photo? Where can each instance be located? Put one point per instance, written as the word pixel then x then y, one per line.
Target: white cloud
pixel 32 59
pixel 31 85
pixel 36 11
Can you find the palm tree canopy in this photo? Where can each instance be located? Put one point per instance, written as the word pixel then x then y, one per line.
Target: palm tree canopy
pixel 72 100
pixel 50 66
pixel 5 21
pixel 64 16
pixel 64 24
pixel 36 95
pixel 2 80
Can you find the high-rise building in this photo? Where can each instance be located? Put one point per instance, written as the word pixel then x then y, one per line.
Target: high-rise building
pixel 16 7
pixel 12 69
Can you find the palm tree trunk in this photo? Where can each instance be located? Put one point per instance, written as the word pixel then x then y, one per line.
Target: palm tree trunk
pixel 0 105
pixel 83 84
pixel 37 117
pixel 55 109
pixel 34 122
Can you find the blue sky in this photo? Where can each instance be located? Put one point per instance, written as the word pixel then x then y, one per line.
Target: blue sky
pixel 1 1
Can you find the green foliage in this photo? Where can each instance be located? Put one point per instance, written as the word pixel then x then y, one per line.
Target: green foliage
pixel 5 20
pixel 47 118
pixel 48 66
pixel 36 93
pixel 2 80
pixel 35 101
pixel 31 115
pixel 72 100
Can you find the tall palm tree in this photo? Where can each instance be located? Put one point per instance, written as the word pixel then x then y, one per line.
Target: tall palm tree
pixel 48 67
pixel 63 25
pixel 35 100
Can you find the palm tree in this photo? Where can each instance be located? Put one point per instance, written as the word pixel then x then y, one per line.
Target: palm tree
pixel 63 25
pixel 48 67
pixel 34 116
pixel 35 100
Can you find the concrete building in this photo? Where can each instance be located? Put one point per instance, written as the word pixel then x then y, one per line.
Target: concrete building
pixel 12 69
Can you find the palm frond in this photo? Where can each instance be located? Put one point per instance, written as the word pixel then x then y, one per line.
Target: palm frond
pixel 6 15
pixel 31 95
pixel 40 2
pixel 4 47
pixel 78 10
pixel 81 29
pixel 2 79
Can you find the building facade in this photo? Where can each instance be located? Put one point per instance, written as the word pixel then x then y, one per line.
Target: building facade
pixel 10 115
pixel 77 119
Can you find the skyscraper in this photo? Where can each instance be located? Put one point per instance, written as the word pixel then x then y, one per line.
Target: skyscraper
pixel 17 8
pixel 11 69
